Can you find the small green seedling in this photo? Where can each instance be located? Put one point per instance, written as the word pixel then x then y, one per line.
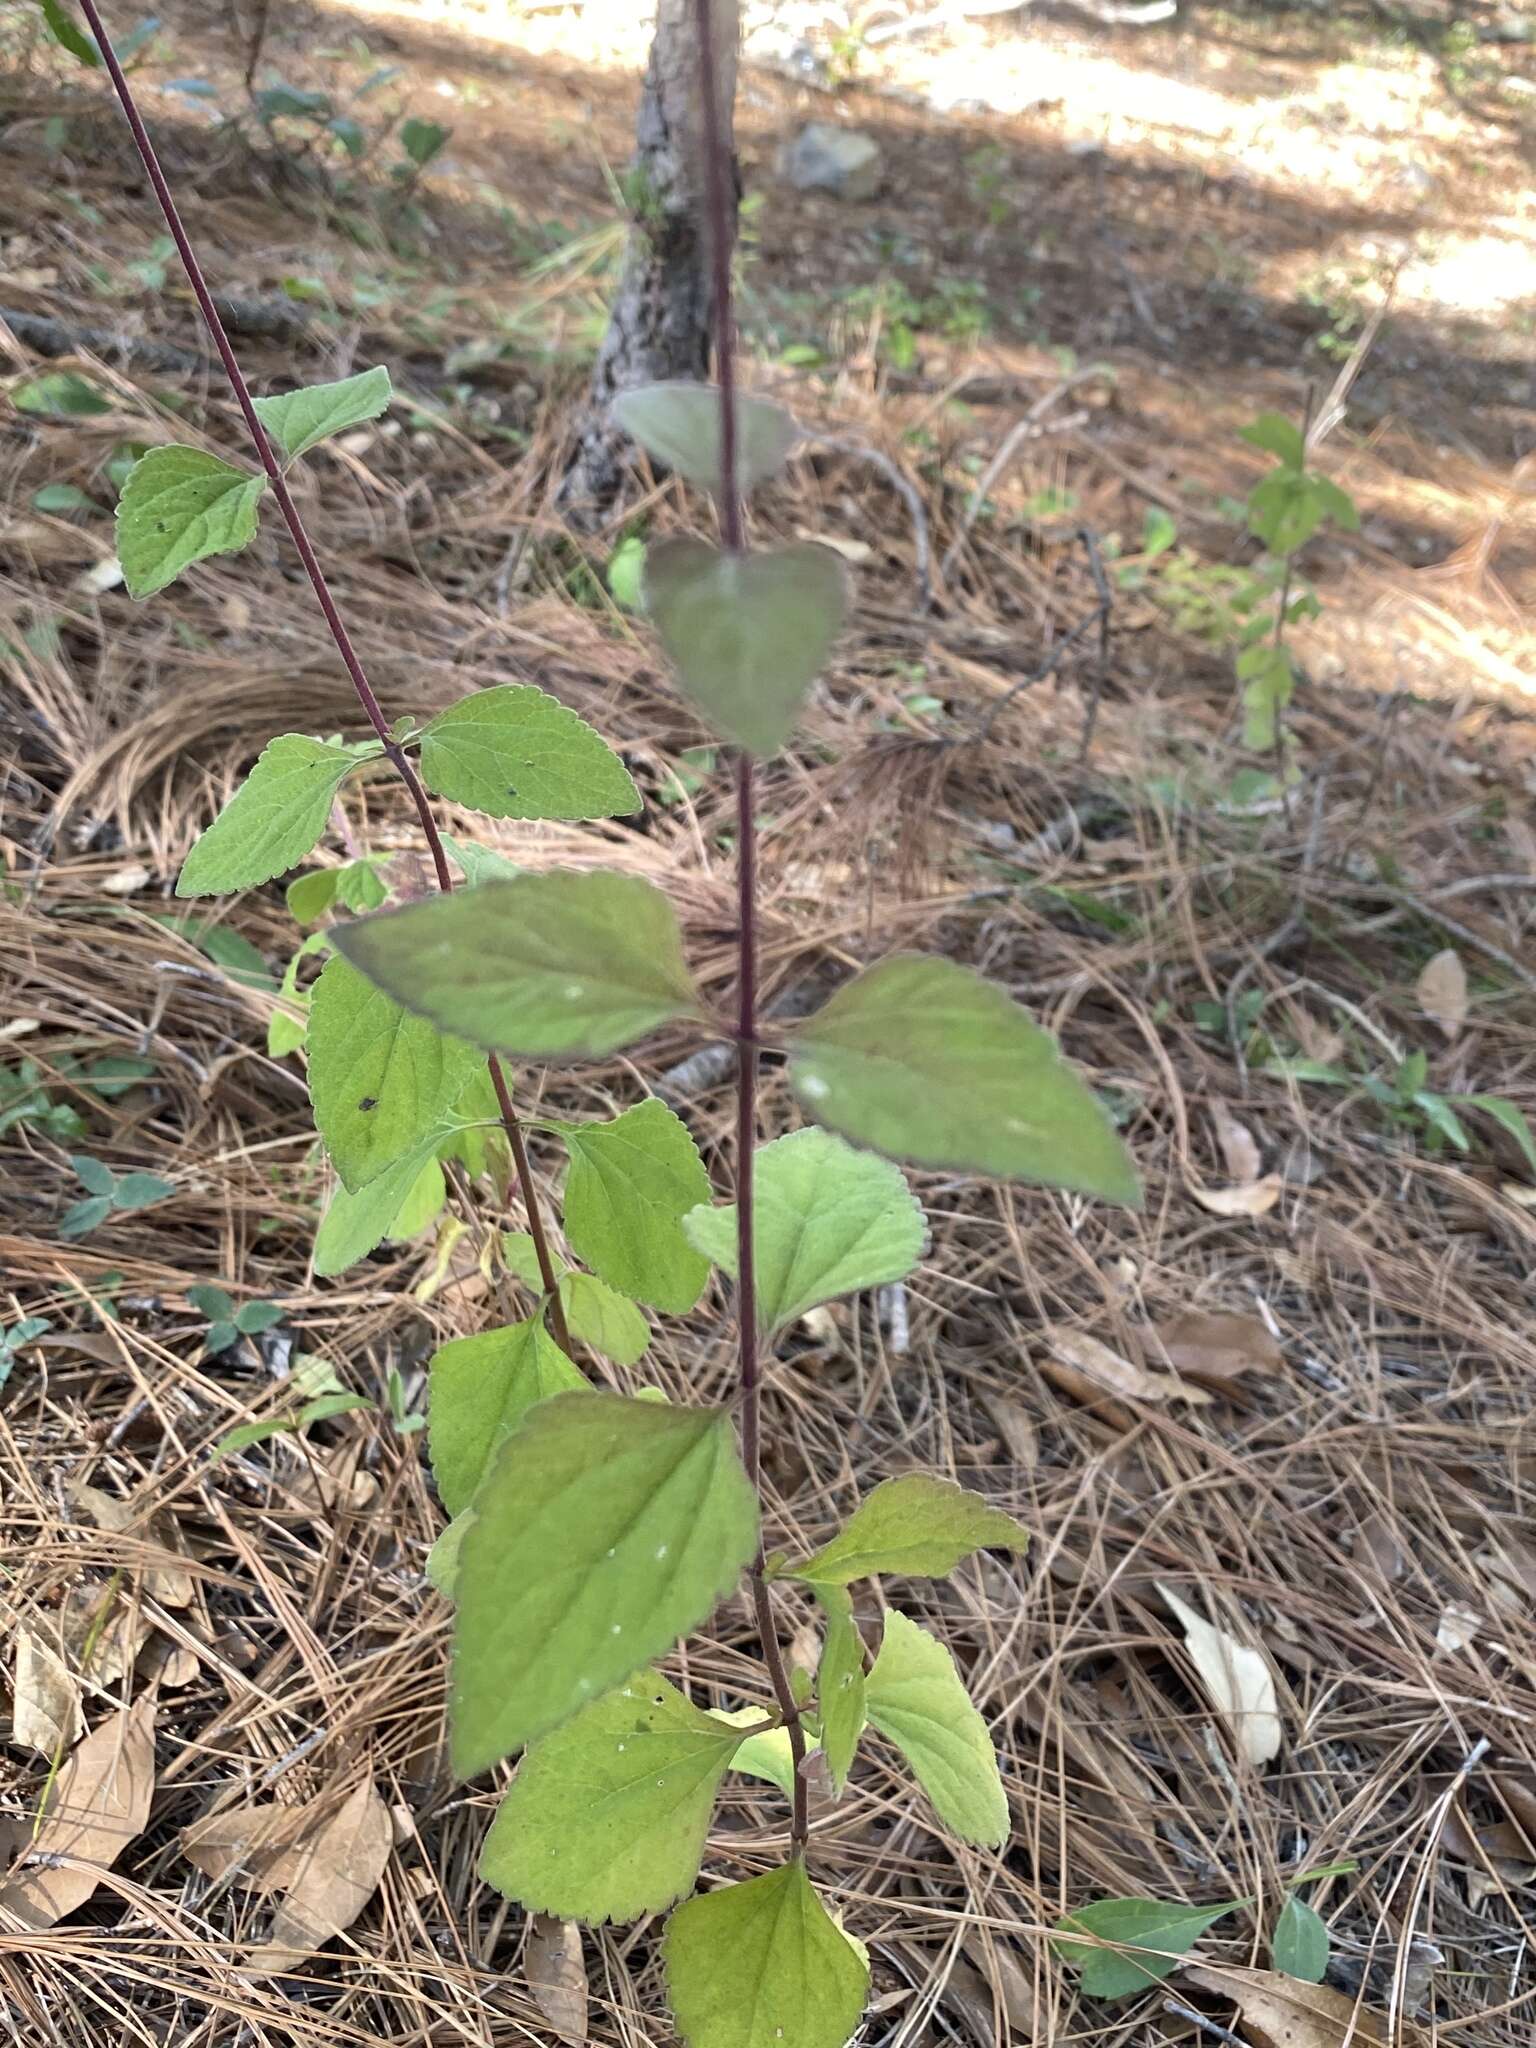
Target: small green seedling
pixel 108 1194
pixel 228 1324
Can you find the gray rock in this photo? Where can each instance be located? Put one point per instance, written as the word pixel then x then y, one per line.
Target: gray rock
pixel 843 161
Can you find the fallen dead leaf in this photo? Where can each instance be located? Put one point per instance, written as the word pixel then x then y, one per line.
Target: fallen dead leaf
pixel 1255 1198
pixel 1281 2012
pixel 1088 1370
pixel 1238 1680
pixel 103 1631
pixel 339 1867
pixel 1218 1348
pixel 1239 1148
pixel 255 1846
pixel 1458 1628
pixel 1442 991
pixel 557 1975
pixel 171 1584
pixel 100 1802
pixel 47 1699
pixel 1015 1428
pixel 854 551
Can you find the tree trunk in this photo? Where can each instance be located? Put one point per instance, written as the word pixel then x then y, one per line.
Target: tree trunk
pixel 660 323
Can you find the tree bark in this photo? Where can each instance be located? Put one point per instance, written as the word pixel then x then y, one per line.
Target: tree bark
pixel 660 324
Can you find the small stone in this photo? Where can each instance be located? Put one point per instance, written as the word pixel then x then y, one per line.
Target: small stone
pixel 843 161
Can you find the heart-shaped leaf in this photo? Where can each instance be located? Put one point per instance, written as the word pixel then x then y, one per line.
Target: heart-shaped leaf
pixel 516 752
pixel 679 424
pixel 295 420
pixel 273 819
pixel 747 634
pixel 178 507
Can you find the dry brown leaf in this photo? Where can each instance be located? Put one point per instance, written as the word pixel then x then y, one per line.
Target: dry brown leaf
pixel 171 1584
pixel 47 1699
pixel 1088 1370
pixel 1218 1348
pixel 557 1975
pixel 1442 991
pixel 1238 1680
pixel 1015 1428
pixel 1255 1198
pixel 338 1872
pixel 1239 1148
pixel 1458 1628
pixel 1280 2012
pixel 103 1632
pixel 253 1846
pixel 100 1802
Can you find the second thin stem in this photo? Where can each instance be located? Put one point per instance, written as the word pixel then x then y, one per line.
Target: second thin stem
pixel 333 619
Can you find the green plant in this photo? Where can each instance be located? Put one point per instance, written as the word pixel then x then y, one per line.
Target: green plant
pixel 1121 1946
pixel 228 1324
pixel 312 1394
pixel 108 1193
pixel 590 1529
pixel 1407 1104
pixel 16 1339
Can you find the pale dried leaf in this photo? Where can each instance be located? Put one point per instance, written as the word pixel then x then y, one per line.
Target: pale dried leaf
pixel 339 1869
pixel 1239 1148
pixel 557 1975
pixel 257 1846
pixel 46 1697
pixel 103 1632
pixel 100 1802
pixel 1088 1370
pixel 1015 1427
pixel 1458 1628
pixel 1276 2011
pixel 1442 991
pixel 171 1584
pixel 1255 1198
pixel 1218 1348
pixel 1237 1679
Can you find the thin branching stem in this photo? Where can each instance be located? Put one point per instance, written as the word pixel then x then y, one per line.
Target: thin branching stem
pixel 333 619
pixel 721 224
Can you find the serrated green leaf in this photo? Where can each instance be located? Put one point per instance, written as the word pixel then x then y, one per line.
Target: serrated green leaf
pixel 360 887
pixel 61 27
pixel 607 1816
pixel 310 896
pixel 766 1755
pixel 605 1529
pixel 840 1684
pixel 516 752
pixel 923 1060
pixel 828 1220
pixel 632 1181
pixel 179 506
pixel 273 819
pixel 1277 436
pixel 380 1079
pixel 747 634
pixel 918 1525
pixel 399 1203
pixel 595 1314
pixel 1299 1945
pixel 915 1697
pixel 478 1390
pixel 1285 509
pixel 679 424
pixel 549 964
pixel 763 1965
pixel 296 420
pixel 1162 1931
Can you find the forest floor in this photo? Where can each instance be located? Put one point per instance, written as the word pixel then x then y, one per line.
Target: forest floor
pixel 1161 233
